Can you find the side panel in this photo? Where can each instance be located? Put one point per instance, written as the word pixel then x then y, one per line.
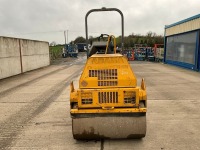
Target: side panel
pixel 9 57
pixel 35 54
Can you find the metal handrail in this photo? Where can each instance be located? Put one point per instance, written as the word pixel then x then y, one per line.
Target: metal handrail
pixel 109 40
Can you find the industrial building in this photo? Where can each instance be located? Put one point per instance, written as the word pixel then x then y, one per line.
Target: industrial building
pixel 182 43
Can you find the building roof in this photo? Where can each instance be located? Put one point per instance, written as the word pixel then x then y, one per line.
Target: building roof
pixel 183 21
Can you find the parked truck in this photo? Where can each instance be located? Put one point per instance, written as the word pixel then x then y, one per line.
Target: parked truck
pixel 70 50
pixel 81 47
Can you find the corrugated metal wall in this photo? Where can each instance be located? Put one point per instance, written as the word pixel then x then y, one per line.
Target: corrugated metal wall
pixel 184 27
pixel 21 55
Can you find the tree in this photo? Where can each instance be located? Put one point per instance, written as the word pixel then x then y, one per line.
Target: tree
pixel 154 34
pixel 118 41
pixel 141 42
pixel 131 43
pixel 79 39
pixel 150 39
pixel 149 34
pixel 145 41
pixel 137 40
pixel 150 42
pixel 53 43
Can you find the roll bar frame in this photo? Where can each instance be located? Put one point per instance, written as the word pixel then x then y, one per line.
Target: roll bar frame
pixel 104 9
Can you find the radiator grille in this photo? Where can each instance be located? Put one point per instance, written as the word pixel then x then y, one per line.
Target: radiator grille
pixel 129 97
pixel 108 97
pixel 106 77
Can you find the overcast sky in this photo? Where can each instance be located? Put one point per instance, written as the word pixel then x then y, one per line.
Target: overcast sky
pixel 46 20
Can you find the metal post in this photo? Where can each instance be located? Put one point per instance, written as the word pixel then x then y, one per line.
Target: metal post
pixel 20 53
pixel 67 36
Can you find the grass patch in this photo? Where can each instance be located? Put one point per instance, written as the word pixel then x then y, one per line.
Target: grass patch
pixel 55 51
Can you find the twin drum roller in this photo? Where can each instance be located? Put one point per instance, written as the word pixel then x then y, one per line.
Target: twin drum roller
pixel 108 103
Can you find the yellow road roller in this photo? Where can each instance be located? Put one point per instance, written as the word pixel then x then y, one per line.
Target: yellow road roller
pixel 108 103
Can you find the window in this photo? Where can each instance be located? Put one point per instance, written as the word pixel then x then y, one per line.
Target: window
pixel 181 48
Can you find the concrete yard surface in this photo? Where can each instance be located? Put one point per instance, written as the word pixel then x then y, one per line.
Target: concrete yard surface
pixel 35 111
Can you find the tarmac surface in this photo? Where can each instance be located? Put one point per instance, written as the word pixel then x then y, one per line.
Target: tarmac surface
pixel 35 112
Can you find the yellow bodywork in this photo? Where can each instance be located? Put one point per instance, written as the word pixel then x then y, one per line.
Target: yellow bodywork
pixel 108 85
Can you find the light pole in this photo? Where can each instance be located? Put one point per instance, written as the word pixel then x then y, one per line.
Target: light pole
pixel 66 51
pixel 65 36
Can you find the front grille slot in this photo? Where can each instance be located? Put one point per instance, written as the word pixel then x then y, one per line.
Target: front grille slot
pixel 129 97
pixel 87 101
pixel 86 98
pixel 129 100
pixel 106 77
pixel 108 97
pixel 107 83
